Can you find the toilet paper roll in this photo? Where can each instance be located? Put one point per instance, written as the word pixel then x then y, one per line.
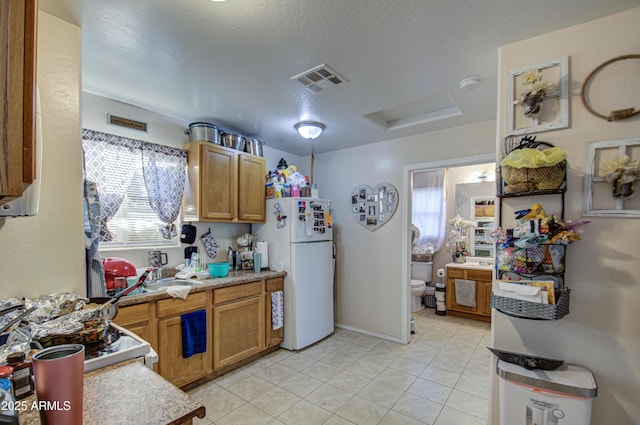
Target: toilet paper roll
pixel 263 248
pixel 440 272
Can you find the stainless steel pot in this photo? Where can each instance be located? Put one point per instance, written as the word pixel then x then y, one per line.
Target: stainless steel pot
pixel 234 141
pixel 203 131
pixel 254 147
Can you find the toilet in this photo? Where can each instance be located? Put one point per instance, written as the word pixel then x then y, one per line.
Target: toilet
pixel 420 275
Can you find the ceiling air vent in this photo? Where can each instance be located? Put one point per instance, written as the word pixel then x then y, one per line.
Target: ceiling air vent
pixel 319 78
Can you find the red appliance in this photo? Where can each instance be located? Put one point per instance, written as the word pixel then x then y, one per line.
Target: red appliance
pixel 116 272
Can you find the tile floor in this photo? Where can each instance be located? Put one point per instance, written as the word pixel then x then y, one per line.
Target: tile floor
pixel 441 377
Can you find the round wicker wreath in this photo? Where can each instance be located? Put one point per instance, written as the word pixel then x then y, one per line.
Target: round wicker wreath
pixel 618 114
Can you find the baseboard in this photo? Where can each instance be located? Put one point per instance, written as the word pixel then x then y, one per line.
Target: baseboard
pixel 366 332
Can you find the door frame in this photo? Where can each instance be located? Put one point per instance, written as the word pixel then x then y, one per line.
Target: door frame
pixel 406 223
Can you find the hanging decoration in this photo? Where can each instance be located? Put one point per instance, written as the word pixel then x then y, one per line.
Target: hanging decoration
pixel 618 114
pixel 372 207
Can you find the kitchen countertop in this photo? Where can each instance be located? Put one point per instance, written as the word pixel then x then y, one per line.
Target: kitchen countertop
pixel 233 278
pixel 473 266
pixel 128 393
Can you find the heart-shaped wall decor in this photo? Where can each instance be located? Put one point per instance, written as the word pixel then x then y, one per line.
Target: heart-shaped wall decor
pixel 374 206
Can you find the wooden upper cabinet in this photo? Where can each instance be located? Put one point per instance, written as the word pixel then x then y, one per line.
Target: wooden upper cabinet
pixel 223 185
pixel 251 192
pixel 218 183
pixel 18 29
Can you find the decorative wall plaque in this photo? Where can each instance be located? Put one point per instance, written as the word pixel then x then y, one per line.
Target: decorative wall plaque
pixel 374 206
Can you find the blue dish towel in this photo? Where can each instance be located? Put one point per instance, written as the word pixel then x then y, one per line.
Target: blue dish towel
pixel 194 333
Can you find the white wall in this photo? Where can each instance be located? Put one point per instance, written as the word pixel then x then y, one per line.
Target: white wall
pixel 45 253
pixel 601 332
pixel 369 267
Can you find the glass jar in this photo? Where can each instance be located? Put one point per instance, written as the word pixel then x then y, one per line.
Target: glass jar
pixel 21 377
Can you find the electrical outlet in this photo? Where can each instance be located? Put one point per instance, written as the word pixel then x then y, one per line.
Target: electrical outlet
pixel 228 245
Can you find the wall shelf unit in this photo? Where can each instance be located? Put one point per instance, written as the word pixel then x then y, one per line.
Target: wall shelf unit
pixel 538 262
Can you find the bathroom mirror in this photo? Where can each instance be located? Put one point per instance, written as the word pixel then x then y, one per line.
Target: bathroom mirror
pixel 476 201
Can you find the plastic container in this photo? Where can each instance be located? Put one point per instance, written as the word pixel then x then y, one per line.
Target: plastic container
pixel 295 190
pixel 547 397
pixel 219 269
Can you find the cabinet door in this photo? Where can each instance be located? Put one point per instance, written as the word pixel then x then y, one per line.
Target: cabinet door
pixel 238 330
pixel 451 298
pixel 251 192
pixel 484 298
pixel 274 337
pixel 172 366
pixel 17 84
pixel 218 187
pixel 139 319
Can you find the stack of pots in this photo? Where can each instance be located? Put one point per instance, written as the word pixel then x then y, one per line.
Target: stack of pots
pixel 204 131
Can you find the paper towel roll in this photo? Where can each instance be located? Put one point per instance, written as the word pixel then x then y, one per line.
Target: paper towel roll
pixel 440 272
pixel 263 248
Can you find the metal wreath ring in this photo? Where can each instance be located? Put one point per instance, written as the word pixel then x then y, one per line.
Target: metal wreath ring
pixel 618 114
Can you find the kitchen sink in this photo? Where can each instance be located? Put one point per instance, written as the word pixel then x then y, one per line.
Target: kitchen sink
pixel 165 283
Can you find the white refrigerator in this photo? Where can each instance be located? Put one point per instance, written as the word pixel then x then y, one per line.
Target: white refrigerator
pixel 299 234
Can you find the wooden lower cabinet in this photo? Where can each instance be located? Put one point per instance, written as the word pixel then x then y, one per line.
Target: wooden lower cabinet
pixel 238 323
pixel 171 364
pixel 483 279
pixel 141 320
pixel 239 329
pixel 274 337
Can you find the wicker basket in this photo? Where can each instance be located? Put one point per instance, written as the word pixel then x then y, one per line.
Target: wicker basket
pixel 528 179
pixel 531 310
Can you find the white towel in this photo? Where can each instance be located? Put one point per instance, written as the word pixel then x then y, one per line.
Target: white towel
pixel 277 310
pixel 179 291
pixel 466 292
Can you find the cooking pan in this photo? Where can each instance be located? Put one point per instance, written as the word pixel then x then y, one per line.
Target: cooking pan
pixel 109 312
pixel 527 361
pixel 105 309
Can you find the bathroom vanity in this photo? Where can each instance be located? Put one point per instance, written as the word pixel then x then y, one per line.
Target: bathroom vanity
pixel 469 290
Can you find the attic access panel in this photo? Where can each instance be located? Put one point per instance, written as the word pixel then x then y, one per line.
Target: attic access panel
pixel 423 111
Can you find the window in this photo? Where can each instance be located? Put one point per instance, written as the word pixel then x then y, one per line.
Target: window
pixel 428 207
pixel 139 186
pixel 136 224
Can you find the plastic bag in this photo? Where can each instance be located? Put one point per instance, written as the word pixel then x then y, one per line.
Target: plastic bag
pixel 534 158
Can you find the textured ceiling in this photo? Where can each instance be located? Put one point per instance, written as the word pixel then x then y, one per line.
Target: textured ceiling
pixel 230 63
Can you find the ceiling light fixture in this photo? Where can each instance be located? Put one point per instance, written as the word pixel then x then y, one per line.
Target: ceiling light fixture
pixel 309 129
pixel 469 84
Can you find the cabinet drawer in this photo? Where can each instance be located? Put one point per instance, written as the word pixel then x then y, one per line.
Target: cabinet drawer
pixel 193 302
pixel 130 315
pixel 479 275
pixel 236 292
pixel 455 273
pixel 275 284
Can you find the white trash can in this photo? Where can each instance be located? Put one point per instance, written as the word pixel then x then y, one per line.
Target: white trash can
pixel 545 397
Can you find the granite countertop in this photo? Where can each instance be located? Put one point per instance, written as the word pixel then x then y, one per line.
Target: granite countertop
pixel 128 393
pixel 233 278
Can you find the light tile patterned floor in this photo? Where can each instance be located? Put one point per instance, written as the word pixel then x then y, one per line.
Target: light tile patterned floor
pixel 440 378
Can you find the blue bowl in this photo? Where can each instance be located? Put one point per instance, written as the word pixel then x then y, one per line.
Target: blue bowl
pixel 218 269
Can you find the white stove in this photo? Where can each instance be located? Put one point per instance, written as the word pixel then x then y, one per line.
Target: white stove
pixel 125 346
